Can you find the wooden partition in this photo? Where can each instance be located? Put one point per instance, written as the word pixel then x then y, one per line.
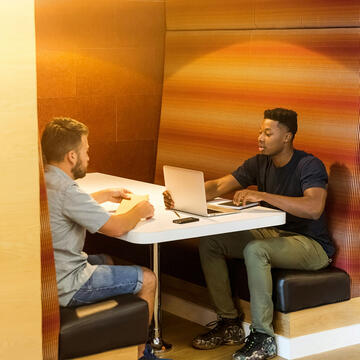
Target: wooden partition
pixel 226 62
pixel 101 62
pixel 260 14
pixel 20 291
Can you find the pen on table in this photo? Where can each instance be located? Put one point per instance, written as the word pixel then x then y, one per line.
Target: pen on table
pixel 176 213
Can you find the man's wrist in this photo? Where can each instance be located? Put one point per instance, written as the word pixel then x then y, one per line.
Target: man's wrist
pixel 136 211
pixel 107 195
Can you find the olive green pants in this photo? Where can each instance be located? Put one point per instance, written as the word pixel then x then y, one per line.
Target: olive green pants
pixel 261 249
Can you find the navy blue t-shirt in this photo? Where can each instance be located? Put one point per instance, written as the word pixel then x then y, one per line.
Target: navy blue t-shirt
pixel 302 172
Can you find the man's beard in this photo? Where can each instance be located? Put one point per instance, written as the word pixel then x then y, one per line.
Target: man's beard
pixel 78 170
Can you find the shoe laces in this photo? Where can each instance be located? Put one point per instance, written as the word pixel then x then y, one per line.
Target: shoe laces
pixel 218 324
pixel 214 323
pixel 251 342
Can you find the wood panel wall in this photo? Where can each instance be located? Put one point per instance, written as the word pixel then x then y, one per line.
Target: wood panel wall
pixel 20 297
pixel 260 14
pixel 101 62
pixel 226 62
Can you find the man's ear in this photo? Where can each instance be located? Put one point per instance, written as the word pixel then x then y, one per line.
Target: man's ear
pixel 288 137
pixel 71 156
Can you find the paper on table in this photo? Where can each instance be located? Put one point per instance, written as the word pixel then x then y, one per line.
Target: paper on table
pixel 127 205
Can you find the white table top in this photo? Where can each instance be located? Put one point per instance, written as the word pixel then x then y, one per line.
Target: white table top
pixel 161 228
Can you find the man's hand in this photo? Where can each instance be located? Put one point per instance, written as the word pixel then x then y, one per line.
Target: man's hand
pixel 245 196
pixel 120 224
pixel 144 209
pixel 168 201
pixel 117 195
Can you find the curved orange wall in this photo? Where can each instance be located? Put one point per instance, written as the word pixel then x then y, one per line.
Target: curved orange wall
pixel 227 62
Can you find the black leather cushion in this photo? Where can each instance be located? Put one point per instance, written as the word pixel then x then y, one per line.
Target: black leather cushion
pixel 124 325
pixel 293 289
pixel 297 289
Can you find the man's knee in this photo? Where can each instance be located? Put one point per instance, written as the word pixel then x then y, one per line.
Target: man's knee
pixel 149 279
pixel 255 249
pixel 209 245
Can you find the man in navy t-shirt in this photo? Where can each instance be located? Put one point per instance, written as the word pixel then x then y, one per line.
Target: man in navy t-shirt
pixel 286 179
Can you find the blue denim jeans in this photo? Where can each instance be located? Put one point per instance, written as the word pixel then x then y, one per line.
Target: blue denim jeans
pixel 108 281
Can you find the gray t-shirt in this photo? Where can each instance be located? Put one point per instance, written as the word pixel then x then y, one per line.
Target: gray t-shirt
pixel 72 212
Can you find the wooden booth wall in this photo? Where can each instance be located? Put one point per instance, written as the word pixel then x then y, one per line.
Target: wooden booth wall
pixel 226 62
pixel 101 62
pixel 20 274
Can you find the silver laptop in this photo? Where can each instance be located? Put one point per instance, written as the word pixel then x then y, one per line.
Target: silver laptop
pixel 187 189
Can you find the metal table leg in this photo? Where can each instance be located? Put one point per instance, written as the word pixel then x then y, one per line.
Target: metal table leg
pixel 157 343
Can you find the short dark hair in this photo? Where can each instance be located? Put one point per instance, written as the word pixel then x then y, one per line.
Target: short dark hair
pixel 60 136
pixel 283 116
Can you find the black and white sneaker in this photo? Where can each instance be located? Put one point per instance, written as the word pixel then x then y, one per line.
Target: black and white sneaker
pixel 225 332
pixel 258 346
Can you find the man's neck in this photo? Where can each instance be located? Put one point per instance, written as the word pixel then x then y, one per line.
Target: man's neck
pixel 283 158
pixel 64 167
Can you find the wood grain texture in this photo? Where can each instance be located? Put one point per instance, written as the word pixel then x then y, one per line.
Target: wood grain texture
pixel 318 319
pixel 102 64
pixel 49 294
pixel 130 159
pixel 209 14
pixel 20 296
pixel 129 353
pixel 260 14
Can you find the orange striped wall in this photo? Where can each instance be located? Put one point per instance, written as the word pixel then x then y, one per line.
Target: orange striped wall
pixel 260 14
pixel 218 83
pixel 225 64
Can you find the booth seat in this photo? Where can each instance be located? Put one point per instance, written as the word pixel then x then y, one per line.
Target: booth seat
pixel 112 324
pixel 293 289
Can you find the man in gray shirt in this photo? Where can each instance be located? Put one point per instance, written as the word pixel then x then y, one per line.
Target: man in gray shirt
pixel 82 278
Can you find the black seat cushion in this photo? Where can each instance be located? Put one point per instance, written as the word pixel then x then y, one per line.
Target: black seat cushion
pixel 124 325
pixel 293 289
pixel 297 289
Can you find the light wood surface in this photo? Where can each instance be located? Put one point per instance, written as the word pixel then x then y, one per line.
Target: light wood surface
pixel 294 324
pixel 179 332
pixel 20 300
pixel 129 353
pixel 95 308
pixel 325 317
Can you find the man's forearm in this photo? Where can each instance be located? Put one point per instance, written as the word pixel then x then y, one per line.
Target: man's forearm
pixel 304 207
pixel 221 186
pixel 120 224
pixel 100 196
pixel 211 189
